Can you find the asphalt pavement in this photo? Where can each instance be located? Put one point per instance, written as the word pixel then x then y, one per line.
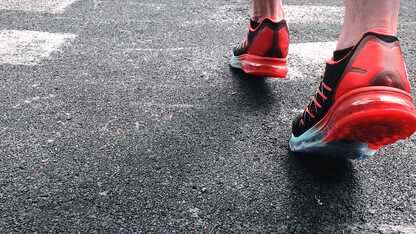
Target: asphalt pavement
pixel 123 116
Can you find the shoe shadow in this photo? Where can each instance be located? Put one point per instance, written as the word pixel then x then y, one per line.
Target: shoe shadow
pixel 324 193
pixel 254 92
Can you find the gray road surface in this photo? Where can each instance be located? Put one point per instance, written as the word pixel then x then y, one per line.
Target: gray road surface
pixel 124 116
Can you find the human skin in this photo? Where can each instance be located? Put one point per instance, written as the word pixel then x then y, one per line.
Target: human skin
pixel 360 17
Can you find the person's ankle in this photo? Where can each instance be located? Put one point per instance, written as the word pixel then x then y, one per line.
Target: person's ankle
pixel 349 39
pixel 276 16
pixel 258 19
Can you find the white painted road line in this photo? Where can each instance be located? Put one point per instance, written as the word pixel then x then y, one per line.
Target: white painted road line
pixel 315 51
pixel 294 14
pixel 309 14
pixel 29 47
pixel 308 59
pixel 51 6
pixel 397 228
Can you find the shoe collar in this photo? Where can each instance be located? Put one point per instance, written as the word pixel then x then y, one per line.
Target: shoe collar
pixel 332 62
pixel 261 22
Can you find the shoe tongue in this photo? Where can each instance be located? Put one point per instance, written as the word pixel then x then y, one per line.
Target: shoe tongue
pixel 254 24
pixel 340 54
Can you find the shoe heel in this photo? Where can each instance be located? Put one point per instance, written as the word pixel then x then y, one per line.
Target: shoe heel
pixel 374 115
pixel 264 66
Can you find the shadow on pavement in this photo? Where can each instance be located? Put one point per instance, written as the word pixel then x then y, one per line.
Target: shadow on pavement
pixel 324 193
pixel 255 94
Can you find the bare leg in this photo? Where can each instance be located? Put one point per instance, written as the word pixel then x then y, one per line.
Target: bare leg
pixel 267 8
pixel 362 16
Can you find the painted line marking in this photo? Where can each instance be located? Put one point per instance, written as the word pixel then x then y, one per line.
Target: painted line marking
pixel 166 105
pixel 307 14
pixel 316 51
pixel 397 228
pixel 29 47
pixel 51 6
pixel 294 14
pixel 305 56
pixel 165 49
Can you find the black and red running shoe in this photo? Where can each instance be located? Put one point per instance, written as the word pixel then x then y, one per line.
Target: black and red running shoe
pixel 362 103
pixel 263 52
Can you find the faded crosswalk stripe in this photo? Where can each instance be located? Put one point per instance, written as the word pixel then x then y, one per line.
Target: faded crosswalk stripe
pixel 230 14
pixel 51 6
pixel 29 47
pixel 313 14
pixel 303 56
pixel 25 47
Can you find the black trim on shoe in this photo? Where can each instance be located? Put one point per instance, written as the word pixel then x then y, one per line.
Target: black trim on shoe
pixel 332 77
pixel 252 35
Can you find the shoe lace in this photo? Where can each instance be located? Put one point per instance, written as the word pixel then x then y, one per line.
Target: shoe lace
pixel 243 43
pixel 318 99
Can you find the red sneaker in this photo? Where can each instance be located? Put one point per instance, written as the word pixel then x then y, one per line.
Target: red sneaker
pixel 263 52
pixel 363 103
